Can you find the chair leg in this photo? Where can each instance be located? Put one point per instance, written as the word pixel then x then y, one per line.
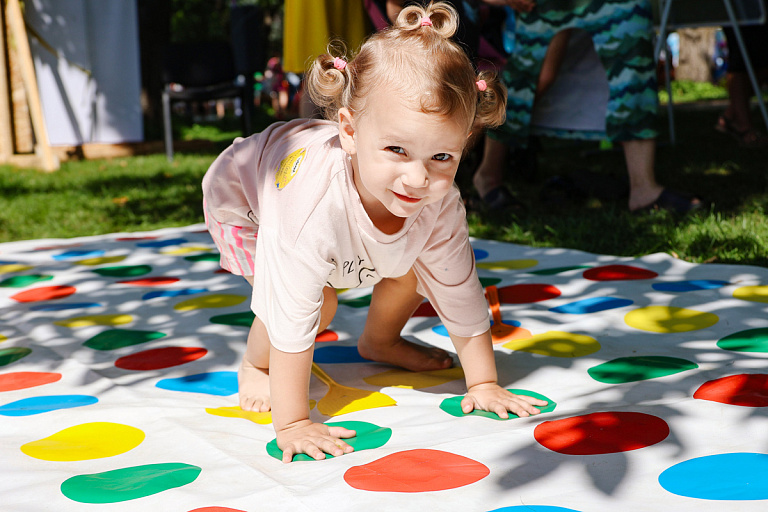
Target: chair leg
pixel 167 126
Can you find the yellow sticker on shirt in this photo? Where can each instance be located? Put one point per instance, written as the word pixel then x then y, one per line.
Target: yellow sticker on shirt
pixel 288 168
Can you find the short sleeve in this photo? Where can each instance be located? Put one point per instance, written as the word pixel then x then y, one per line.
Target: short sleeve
pixel 288 291
pixel 447 276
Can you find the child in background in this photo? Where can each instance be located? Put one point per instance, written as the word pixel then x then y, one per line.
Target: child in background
pixel 364 199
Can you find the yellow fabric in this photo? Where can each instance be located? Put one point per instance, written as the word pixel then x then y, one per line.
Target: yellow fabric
pixel 308 27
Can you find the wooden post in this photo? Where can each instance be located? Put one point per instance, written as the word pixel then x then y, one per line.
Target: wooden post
pixel 6 137
pixel 45 157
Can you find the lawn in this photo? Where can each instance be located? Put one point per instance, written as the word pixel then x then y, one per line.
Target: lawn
pixel 146 192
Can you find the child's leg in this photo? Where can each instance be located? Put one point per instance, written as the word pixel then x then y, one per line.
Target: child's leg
pixel 392 304
pixel 253 376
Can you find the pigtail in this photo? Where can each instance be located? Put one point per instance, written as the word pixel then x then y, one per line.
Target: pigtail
pixel 491 100
pixel 328 81
pixel 441 18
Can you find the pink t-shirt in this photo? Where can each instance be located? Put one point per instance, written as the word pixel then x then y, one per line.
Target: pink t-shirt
pixel 294 185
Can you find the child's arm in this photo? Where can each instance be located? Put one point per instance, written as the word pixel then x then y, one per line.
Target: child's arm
pixel 483 391
pixel 289 375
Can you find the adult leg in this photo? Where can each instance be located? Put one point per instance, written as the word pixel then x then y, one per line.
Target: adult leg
pixel 640 157
pixel 489 174
pixel 392 304
pixel 253 375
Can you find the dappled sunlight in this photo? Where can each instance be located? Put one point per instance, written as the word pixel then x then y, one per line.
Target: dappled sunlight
pixel 121 353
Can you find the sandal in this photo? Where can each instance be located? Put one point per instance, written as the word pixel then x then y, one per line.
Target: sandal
pixel 750 139
pixel 675 202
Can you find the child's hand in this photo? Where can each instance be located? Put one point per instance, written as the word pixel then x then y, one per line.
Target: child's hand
pixel 314 439
pixel 493 398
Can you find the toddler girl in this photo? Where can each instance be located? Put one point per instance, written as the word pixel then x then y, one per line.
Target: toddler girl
pixel 365 198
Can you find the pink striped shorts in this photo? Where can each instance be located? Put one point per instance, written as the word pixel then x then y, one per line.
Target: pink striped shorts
pixel 236 244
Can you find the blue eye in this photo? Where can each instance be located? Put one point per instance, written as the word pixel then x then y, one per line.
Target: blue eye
pixel 396 149
pixel 442 157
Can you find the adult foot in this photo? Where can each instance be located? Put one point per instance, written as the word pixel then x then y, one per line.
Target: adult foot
pixel 253 388
pixel 746 136
pixel 676 202
pixel 405 354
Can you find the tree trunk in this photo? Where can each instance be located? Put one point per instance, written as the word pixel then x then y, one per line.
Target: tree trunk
pixel 697 47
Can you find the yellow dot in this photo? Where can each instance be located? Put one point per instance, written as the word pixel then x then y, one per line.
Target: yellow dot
pixel 221 300
pixel 100 260
pixel 186 250
pixel 262 418
pixel 85 442
pixel 507 265
pixel 556 344
pixel 666 319
pixel 752 293
pixel 14 267
pixel 91 320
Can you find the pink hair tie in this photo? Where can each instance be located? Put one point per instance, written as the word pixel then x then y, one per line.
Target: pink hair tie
pixel 481 85
pixel 339 63
pixel 426 22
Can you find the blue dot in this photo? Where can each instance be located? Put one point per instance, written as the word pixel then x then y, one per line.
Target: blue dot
pixel 64 307
pixel 222 383
pixel 592 305
pixel 162 243
pixel 533 508
pixel 442 331
pixel 336 354
pixel 689 286
pixel 173 293
pixel 480 254
pixel 70 255
pixel 41 404
pixel 726 476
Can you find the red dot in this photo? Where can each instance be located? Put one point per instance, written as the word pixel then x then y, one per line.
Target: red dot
pixel 160 358
pixel 217 509
pixel 618 273
pixel 425 309
pixel 150 281
pixel 44 293
pixel 416 471
pixel 746 390
pixel 327 335
pixel 134 238
pixel 525 293
pixel 24 380
pixel 601 432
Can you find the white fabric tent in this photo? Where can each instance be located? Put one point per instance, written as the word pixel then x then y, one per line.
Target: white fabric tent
pixel 86 55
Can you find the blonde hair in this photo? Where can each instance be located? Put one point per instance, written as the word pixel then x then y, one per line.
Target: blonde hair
pixel 415 60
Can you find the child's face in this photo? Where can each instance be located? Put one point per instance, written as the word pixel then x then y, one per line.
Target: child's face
pixel 403 159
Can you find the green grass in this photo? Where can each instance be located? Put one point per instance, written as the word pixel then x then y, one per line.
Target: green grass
pixel 146 192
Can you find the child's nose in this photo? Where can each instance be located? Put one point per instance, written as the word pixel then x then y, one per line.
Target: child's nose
pixel 415 175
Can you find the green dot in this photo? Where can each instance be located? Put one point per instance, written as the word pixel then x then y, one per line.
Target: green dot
pixel 631 369
pixel 751 340
pixel 128 483
pixel 453 406
pixel 119 338
pixel 244 319
pixel 204 257
pixel 124 271
pixel 9 355
pixel 22 281
pixel 359 302
pixel 489 281
pixel 368 436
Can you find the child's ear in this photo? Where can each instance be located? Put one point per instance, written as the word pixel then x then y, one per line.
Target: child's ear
pixel 347 131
